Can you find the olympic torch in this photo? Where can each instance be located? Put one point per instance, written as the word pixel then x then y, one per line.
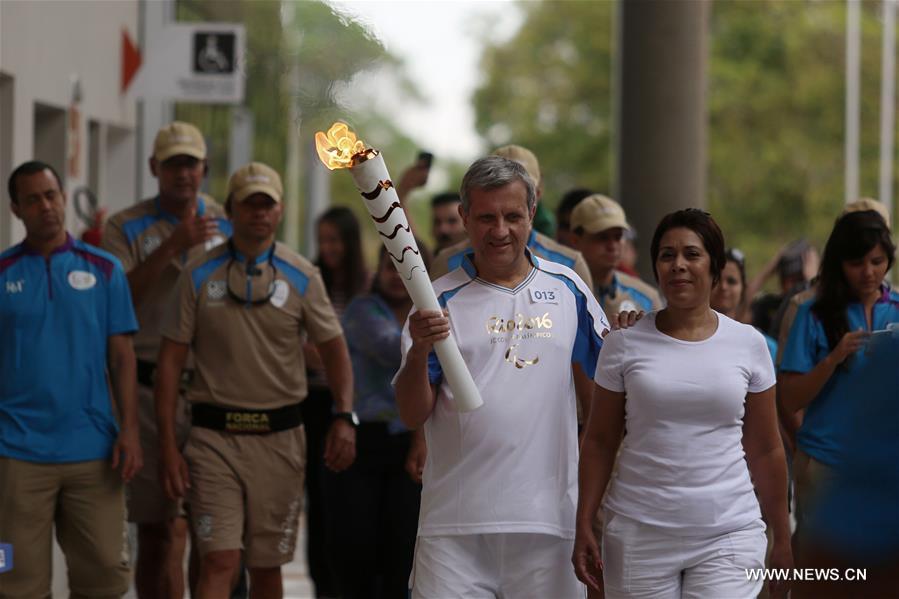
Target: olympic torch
pixel 340 149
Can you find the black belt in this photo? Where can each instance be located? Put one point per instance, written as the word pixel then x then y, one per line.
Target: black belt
pixel 146 375
pixel 246 422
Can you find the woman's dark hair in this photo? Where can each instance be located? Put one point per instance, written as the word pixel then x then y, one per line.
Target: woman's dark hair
pixel 382 255
pixel 701 223
pixel 737 257
pixel 853 236
pixel 351 273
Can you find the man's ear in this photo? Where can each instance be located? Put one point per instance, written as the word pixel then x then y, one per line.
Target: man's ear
pixel 579 236
pixel 154 166
pixel 463 214
pixel 14 207
pixel 205 168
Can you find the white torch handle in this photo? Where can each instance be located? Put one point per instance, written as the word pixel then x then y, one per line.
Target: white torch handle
pixel 465 392
pixel 380 198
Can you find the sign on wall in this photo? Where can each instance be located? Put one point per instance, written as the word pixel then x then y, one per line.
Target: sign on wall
pixel 213 52
pixel 196 62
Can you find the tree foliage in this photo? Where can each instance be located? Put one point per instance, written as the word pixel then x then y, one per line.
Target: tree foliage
pixel 549 88
pixel 776 106
pixel 776 119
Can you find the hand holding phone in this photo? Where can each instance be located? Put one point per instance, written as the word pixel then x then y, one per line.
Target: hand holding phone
pixel 425 158
pixel 415 176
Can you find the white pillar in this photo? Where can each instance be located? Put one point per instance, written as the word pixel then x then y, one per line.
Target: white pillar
pixel 152 113
pixel 292 211
pixel 243 128
pixel 887 104
pixel 853 82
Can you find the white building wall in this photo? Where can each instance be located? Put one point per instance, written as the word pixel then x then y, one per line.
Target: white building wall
pixel 43 46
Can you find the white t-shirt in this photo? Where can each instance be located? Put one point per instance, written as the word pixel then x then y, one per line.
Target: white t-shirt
pixel 681 464
pixel 511 465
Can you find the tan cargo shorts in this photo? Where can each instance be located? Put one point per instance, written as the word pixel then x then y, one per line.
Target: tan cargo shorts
pixel 246 492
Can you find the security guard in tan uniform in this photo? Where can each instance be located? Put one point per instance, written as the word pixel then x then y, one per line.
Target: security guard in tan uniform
pixel 598 224
pixel 242 309
pixel 545 247
pixel 154 239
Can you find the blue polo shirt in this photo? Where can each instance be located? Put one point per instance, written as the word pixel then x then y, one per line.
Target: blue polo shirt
pixel 56 315
pixel 859 512
pixel 824 430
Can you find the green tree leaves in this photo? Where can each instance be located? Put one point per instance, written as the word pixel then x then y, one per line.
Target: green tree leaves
pixel 775 109
pixel 549 88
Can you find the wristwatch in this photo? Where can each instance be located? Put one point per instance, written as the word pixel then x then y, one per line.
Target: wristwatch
pixel 350 417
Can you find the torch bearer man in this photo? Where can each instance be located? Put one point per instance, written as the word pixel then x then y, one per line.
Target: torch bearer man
pixel 500 482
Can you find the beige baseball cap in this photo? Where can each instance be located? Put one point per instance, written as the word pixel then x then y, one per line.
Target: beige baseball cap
pixel 179 138
pixel 863 204
pixel 255 177
pixel 524 156
pixel 596 213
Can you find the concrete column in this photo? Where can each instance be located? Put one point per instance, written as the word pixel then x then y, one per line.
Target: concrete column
pixel 290 228
pixel 152 114
pixel 7 131
pixel 243 131
pixel 661 108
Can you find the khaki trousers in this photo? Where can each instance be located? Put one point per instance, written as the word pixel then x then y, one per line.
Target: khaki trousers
pixel 85 501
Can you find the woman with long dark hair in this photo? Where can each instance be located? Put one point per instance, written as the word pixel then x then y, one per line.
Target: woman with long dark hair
pixel 824 368
pixel 695 391
pixel 339 258
pixel 340 255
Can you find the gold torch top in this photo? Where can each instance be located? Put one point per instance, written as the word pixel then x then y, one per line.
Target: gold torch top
pixel 340 148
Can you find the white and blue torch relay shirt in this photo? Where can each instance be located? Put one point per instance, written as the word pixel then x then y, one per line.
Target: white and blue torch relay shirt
pixel 511 465
pixel 56 315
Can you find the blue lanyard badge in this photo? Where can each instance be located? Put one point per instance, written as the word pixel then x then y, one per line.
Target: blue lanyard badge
pixel 5 557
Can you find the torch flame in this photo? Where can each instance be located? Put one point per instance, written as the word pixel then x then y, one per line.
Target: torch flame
pixel 338 147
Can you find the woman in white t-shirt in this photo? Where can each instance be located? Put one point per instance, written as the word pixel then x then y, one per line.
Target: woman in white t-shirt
pixel 695 392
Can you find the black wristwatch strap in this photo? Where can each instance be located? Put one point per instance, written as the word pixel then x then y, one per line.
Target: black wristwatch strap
pixel 348 416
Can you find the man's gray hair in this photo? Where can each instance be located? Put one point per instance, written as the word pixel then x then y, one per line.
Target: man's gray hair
pixel 494 172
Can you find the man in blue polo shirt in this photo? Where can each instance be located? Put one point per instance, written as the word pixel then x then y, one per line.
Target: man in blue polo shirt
pixel 67 320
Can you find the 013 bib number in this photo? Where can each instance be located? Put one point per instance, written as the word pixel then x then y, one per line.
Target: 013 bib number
pixel 544 296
